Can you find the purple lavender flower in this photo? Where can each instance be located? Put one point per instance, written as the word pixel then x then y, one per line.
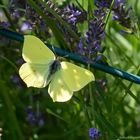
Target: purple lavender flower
pixel 4 24
pixel 81 48
pixel 16 13
pixel 35 19
pixel 35 117
pixel 123 15
pixel 94 134
pixel 103 3
pixel 72 14
pixel 118 3
pixel 30 115
pixel 95 34
pixel 25 26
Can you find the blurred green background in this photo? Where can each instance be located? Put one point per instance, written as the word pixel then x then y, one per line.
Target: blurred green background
pixel 115 105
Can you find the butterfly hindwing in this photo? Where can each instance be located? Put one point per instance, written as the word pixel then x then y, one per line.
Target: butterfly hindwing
pixel 34 75
pixel 58 89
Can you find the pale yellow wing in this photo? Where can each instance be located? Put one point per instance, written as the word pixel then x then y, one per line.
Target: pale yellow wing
pixel 68 79
pixel 34 75
pixel 76 77
pixel 58 89
pixel 35 51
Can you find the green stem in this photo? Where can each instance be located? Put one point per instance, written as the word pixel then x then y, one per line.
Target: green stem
pixel 90 9
pixel 10 62
pixel 92 101
pixel 80 5
pixel 120 50
pixel 12 116
pixel 85 108
pixel 107 18
pixel 87 115
pixel 127 90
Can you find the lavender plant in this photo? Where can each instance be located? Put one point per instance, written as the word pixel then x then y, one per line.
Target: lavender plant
pixel 95 34
pixel 94 134
pixel 35 117
pixel 99 105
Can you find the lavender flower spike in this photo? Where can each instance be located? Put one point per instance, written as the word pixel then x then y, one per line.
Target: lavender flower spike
pixel 94 36
pixel 94 134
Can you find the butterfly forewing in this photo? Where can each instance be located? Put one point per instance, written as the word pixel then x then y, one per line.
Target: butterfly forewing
pixel 76 77
pixel 35 51
pixel 68 79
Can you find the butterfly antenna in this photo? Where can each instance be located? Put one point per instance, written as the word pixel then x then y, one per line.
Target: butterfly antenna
pixel 53 49
pixel 65 56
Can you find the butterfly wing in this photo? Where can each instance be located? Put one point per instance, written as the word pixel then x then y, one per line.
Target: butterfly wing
pixel 76 77
pixel 38 57
pixel 35 51
pixel 35 72
pixel 34 75
pixel 68 79
pixel 58 89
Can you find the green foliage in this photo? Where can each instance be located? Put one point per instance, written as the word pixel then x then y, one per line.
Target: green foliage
pixel 113 107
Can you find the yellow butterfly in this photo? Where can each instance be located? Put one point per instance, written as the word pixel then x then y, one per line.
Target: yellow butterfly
pixel 42 68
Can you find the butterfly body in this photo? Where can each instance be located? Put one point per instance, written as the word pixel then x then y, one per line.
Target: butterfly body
pixel 53 68
pixel 42 69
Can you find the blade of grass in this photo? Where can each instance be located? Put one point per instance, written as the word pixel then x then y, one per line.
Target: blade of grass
pixel 127 90
pixel 10 110
pixel 56 115
pixel 10 62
